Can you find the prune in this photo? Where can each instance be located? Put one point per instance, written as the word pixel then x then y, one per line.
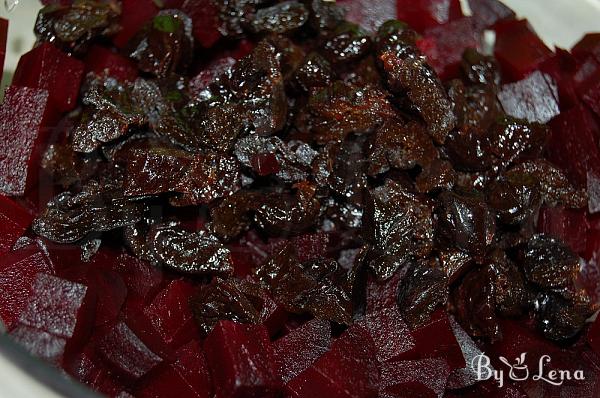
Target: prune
pixel 109 114
pixel 475 106
pixel 341 109
pixel 315 71
pixel 232 216
pixel 282 213
pixel 348 44
pixel 549 263
pixel 189 252
pixel 280 18
pixel 73 27
pixel 438 176
pixel 470 149
pixel 318 286
pixel 165 46
pixel 511 294
pixel 474 303
pixel 514 201
pixel 66 166
pixel 199 178
pixel 71 217
pixel 421 291
pixel 408 73
pixel 561 319
pixel 324 15
pixel 399 226
pixel 480 69
pixel 455 263
pixel 514 140
pixel 465 220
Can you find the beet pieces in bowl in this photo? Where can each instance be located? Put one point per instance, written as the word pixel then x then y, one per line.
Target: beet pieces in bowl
pixel 303 199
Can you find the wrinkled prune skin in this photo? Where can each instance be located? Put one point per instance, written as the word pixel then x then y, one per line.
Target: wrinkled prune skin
pixel 341 167
pixel 480 69
pixel 74 27
pixel 347 44
pixel 293 159
pixel 280 18
pixel 109 114
pixel 421 291
pixel 222 300
pixel 341 109
pixel 466 222
pixel 232 216
pixel 407 73
pixel 469 149
pixel 194 253
pixel 67 167
pixel 286 214
pixel 71 217
pixel 236 15
pixel 475 106
pixel 319 287
pixel 561 319
pixel 474 303
pixel 513 140
pixel 455 263
pixel 165 46
pixel 324 15
pixel 400 146
pixel 549 263
pixel 514 202
pixel 399 226
pixel 314 72
pixel 437 176
pixel 512 297
pixel 199 179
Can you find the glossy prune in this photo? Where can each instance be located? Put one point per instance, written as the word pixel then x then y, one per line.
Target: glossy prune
pixel 280 18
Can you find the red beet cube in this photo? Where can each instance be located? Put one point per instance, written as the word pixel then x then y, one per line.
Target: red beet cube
pixel 265 164
pixel 444 45
pixel 14 220
pixel 569 225
pixel 89 369
pixel 41 344
pixel 46 67
pixel 242 361
pixel 382 295
pixel 3 38
pixel 519 49
pixel 170 313
pixel 134 15
pixel 126 354
pixel 311 246
pixel 425 14
pixel 205 19
pixel 112 294
pixel 591 94
pixel 391 335
pixel 18 272
pixel 467 376
pixel 300 348
pixel 436 339
pixel 593 336
pixel 187 376
pixel 104 62
pixel 22 118
pixel 426 376
pixel 348 369
pixel 368 14
pixel 142 279
pixel 561 67
pixel 534 98
pixel 572 144
pixel 488 12
pixel 589 45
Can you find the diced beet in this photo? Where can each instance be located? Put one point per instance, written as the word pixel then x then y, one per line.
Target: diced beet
pixel 367 14
pixel 265 164
pixel 519 49
pixel 41 344
pixel 589 45
pixel 591 94
pixel 242 362
pixel 488 12
pixel 572 145
pixel 126 354
pixel 569 225
pixel 311 246
pixel 18 272
pixel 205 19
pixel 425 376
pixel 22 119
pixel 534 98
pixel 48 68
pixel 382 295
pixel 425 14
pixel 593 336
pixel 14 220
pixel 436 339
pixel 444 45
pixel 3 39
pixel 300 348
pixel 561 67
pixel 112 294
pixel 134 15
pixel 170 313
pixel 391 335
pixel 467 376
pixel 187 376
pixel 248 252
pixel 348 369
pixel 590 271
pixel 89 369
pixel 104 62
pixel 142 279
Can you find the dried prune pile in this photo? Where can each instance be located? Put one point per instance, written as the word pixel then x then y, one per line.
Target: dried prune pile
pixel 261 198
